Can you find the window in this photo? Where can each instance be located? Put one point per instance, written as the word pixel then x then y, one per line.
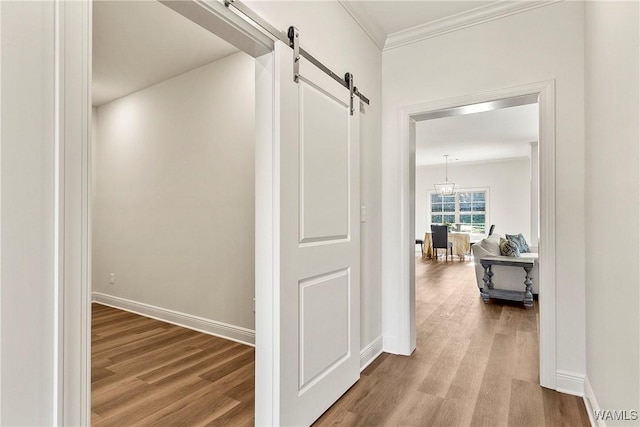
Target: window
pixel 443 209
pixel 466 208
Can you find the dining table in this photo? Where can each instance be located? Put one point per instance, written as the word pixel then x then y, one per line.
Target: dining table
pixel 461 244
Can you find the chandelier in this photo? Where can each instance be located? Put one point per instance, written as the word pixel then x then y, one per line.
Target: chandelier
pixel 446 188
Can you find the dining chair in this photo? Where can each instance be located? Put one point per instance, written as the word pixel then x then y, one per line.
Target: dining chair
pixel 440 240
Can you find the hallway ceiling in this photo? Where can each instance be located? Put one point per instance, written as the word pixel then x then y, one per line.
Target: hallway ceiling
pixel 499 134
pixel 390 24
pixel 137 44
pixel 394 16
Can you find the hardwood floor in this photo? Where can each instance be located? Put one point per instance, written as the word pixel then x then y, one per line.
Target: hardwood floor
pixel 147 372
pixel 474 364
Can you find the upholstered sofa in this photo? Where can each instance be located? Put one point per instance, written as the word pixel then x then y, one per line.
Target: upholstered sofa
pixel 509 278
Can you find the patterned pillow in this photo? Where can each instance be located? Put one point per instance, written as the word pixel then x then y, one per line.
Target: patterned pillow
pixel 519 241
pixel 508 248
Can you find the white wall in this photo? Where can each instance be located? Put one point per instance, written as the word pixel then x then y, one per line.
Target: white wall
pixel 534 159
pixel 509 192
pixel 612 205
pixel 538 45
pixel 173 208
pixel 332 36
pixel 27 251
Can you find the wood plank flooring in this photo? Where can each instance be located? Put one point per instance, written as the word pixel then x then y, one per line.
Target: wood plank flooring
pixel 146 372
pixel 474 364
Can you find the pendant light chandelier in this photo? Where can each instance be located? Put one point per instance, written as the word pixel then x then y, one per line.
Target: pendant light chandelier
pixel 446 188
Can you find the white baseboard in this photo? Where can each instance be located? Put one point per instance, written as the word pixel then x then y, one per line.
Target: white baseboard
pixel 591 403
pixel 370 353
pixel 390 345
pixel 570 383
pixel 200 324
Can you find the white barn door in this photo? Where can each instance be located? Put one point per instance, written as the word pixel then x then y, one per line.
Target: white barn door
pixel 317 294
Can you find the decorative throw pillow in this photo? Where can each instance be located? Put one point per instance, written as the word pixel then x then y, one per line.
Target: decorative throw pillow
pixel 491 246
pixel 508 248
pixel 519 241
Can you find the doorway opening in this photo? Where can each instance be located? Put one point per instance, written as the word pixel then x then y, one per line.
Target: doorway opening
pixel 492 165
pixel 410 116
pixel 172 220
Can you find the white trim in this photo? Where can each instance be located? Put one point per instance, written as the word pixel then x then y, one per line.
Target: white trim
pixel 404 305
pixel 478 15
pixel 55 400
pixel 267 255
pixel 370 353
pixel 58 204
pixel 390 345
pixel 225 23
pixel 185 320
pixel 370 26
pixel 547 232
pixel 591 403
pixel 570 382
pixel 72 74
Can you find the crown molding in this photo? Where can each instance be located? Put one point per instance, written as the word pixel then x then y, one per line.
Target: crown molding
pixel 478 15
pixel 369 25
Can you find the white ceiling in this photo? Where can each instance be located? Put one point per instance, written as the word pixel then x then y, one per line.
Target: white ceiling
pixel 391 24
pixel 498 134
pixel 140 43
pixel 394 16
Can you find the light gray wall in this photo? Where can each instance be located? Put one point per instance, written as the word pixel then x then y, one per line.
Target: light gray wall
pixel 173 205
pixel 539 45
pixel 26 230
pixel 509 192
pixel 331 35
pixel 612 204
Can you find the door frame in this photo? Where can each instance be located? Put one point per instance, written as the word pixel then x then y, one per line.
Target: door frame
pixel 71 401
pixel 547 194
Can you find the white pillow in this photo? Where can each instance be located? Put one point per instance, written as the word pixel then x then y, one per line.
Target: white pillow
pixel 491 245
